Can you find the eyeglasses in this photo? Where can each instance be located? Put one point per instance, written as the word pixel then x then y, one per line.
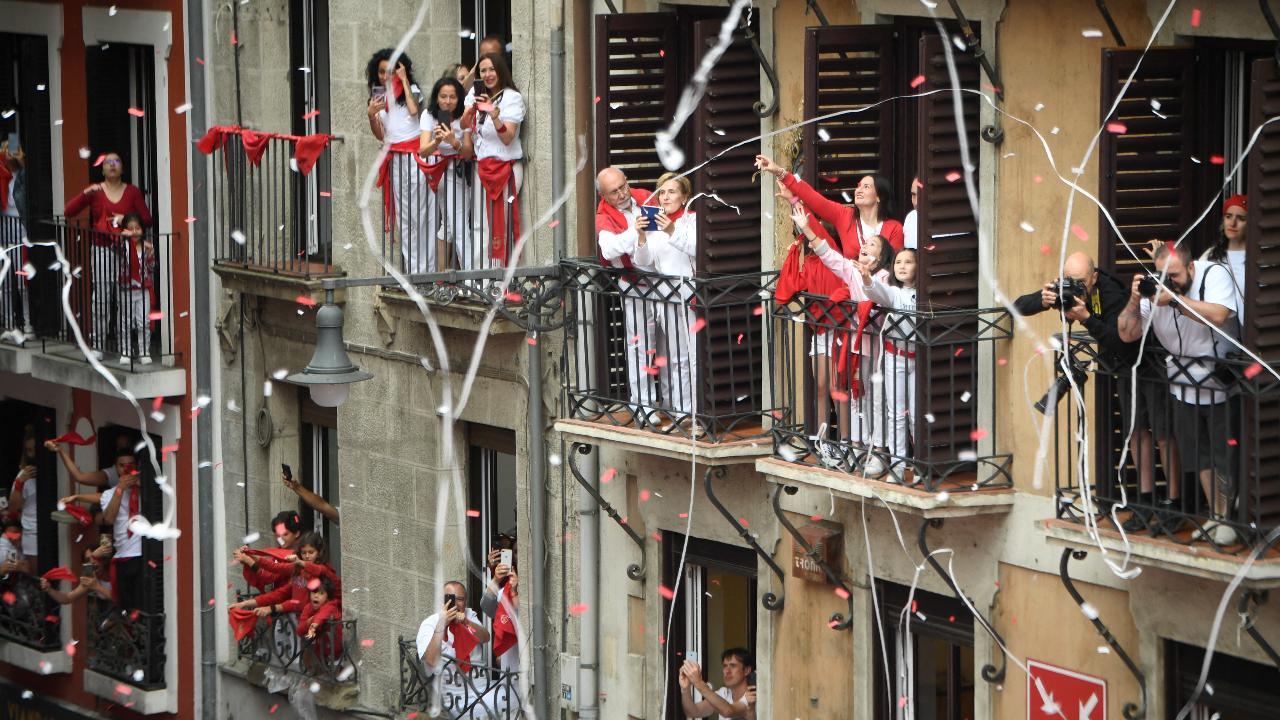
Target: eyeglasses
pixel 110 161
pixel 621 189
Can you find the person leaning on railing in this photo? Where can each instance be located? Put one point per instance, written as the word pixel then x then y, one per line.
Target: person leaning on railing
pixel 1193 313
pixel 394 108
pixel 495 115
pixel 262 572
pixel 138 280
pixel 94 577
pixel 308 564
pixel 13 206
pixel 11 560
pixel 454 633
pixel 444 142
pixel 22 500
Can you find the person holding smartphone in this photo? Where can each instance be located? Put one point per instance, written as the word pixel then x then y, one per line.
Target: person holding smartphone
pixel 455 633
pixel 394 109
pixel 444 142
pixel 495 111
pixel 737 699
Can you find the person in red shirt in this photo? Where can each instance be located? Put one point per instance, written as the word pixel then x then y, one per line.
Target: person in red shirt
pixel 323 605
pixel 110 200
pixel 309 565
pixel 262 572
pixel 870 215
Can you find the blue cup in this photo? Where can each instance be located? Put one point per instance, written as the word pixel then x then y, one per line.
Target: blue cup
pixel 651 213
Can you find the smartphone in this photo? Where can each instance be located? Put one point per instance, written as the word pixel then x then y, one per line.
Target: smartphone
pixel 288 471
pixel 378 91
pixel 15 142
pixel 87 570
pixel 751 679
pixel 451 600
pixel 504 557
pixel 691 656
pixel 478 88
pixel 445 118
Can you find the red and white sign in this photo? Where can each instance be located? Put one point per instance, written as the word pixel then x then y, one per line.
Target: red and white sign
pixel 1055 693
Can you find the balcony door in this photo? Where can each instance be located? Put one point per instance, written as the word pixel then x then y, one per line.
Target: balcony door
pixel 121 81
pixel 930 659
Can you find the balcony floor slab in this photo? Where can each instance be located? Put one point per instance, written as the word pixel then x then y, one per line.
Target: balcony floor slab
pixel 462 314
pixel 1200 560
pixel 334 696
pixel 960 502
pixel 142 702
pixel 64 364
pixel 40 662
pixel 17 360
pixel 734 452
pixel 288 287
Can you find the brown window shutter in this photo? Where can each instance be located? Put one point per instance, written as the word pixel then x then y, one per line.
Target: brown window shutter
pixel 848 67
pixel 1146 174
pixel 1261 483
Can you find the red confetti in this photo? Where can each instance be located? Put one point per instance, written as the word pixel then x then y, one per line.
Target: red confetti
pixel 1002 361
pixel 917 82
pixel 842 593
pixel 1195 17
pixel 553 223
pixel 743 522
pixel 313 584
pixel 531 340
pixel 512 296
pixel 273 709
pixel 8 597
pixel 1252 371
pixel 200 60
pixel 660 362
pixel 311 114
pixel 959 351
pixel 212 601
pixel 915 606
pixel 597 100
pixel 98 162
pixel 136 112
pixel 951 618
pixel 684 516
pixel 52 618
pixel 195 413
pixel 978 434
pixel 71 649
pixel 758 311
pixel 152 563
pixel 644 496
pixel 662 53
pixel 1216 160
pixel 839 396
pixel 325 193
pixel 1232 442
pixel 190 219
pixel 656 535
pixel 1037 179
pixel 578 609
pixel 831 178
pixel 305 300
pixel 739 338
pixel 662 639
pixel 953 176
pixel 367 642
pixel 155 316
pixel 1044 249
pixel 166 449
pixel 473 513
pixel 607 475
pixel 651 370
pixel 233 37
pixel 122 689
pixel 155 404
pixel 666 592
pixel 1117 128
pixel 1079 232
pixel 697 325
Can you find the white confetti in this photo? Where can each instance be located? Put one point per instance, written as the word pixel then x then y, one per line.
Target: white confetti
pixel 182 109
pixel 1091 33
pixel 84 153
pixel 111 11
pixel 1089 611
pixel 1195 159
pixel 1038 107
pixel 965 396
pixel 823 135
pixel 251 538
pixel 968 456
pixel 27 694
pixel 1055 130
pixel 30 270
pixel 1104 650
pixel 929 418
pixel 40 87
pixel 943 496
pixel 1155 104
pixel 554 460
pixel 157 416
pixel 238 236
pixel 280 374
pixel 347 246
pixel 138 675
pixel 845 196
pixel 465 33
pixel 1026 226
pixel 314 688
pixel 266 388
pixel 958 42
pixel 203 401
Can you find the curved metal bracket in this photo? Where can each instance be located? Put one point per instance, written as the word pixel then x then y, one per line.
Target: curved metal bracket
pixel 1131 711
pixel 1249 601
pixel 817 10
pixel 1111 23
pixel 762 110
pixel 769 600
pixel 838 621
pixel 990 673
pixel 635 572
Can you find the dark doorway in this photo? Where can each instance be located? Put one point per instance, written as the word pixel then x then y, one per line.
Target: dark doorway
pixel 1235 689
pixel 485 17
pixel 940 645
pixel 18 421
pixel 121 77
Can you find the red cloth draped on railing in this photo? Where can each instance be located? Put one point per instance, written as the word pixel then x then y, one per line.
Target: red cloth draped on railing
pixel 306 149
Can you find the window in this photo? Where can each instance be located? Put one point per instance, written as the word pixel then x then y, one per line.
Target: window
pixel 941 650
pixel 309 91
pixel 122 76
pixel 318 465
pixel 485 17
pixel 22 423
pixel 717 610
pixel 491 470
pixel 1236 689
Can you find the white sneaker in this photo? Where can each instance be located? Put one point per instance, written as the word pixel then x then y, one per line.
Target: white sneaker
pixel 145 360
pixel 875 467
pixel 1224 535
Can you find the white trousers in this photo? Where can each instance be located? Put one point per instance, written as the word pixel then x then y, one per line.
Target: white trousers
pixel 897 426
pixel 448 213
pixel 409 192
pixel 133 321
pixel 641 327
pixel 106 296
pixel 481 256
pixel 676 354
pixel 868 409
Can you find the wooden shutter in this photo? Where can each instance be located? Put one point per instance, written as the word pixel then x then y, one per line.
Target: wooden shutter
pixel 848 67
pixel 1262 288
pixel 1146 175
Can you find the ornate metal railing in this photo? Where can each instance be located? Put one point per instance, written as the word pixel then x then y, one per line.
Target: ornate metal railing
pixel 683 357
pixel 126 645
pixel 28 616
pixel 454 693
pixel 1240 407
pixel 327 657
pixel 912 401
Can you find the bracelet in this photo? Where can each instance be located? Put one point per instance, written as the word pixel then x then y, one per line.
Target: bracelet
pixel 500 128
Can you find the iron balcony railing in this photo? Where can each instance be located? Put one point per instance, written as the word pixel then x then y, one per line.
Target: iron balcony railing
pixel 327 657
pixel 684 357
pixel 127 645
pixel 1238 447
pixel 121 294
pixel 911 399
pixel 437 217
pixel 267 214
pixel 28 616
pixel 15 289
pixel 454 693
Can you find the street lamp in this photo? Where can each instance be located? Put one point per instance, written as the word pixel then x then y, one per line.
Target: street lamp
pixel 330 372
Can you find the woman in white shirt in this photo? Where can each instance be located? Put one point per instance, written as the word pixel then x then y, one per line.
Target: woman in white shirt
pixel 443 144
pixel 394 107
pixel 495 116
pixel 1229 247
pixel 671 250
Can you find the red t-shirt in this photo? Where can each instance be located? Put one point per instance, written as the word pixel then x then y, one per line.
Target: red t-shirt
pixel 843 218
pixel 101 209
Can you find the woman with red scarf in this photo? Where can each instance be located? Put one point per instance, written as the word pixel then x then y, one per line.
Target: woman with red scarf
pixel 394 106
pixel 444 143
pixel 495 116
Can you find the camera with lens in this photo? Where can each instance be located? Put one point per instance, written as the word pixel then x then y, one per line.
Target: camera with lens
pixel 1147 286
pixel 1061 386
pixel 1069 290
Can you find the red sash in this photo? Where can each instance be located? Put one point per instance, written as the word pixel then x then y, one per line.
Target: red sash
pixel 404 147
pixel 464 640
pixel 435 171
pixel 847 365
pixel 504 630
pixel 611 218
pixel 498 178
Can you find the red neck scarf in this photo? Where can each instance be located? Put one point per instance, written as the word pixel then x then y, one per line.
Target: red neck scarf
pixel 464 640
pixel 5 176
pixel 499 182
pixel 504 630
pixel 135 505
pixel 612 219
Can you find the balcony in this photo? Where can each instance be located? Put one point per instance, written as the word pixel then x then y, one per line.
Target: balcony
pixel 269 218
pixel 118 300
pixel 30 626
pixel 126 646
pixel 1180 526
pixel 456 693
pixel 925 400
pixel 667 365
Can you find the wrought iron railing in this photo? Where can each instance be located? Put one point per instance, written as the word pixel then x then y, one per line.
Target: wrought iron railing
pixel 121 293
pixel 451 227
pixel 28 616
pixel 683 357
pixel 267 214
pixel 327 657
pixel 128 645
pixel 1238 402
pixel 911 400
pixel 454 693
pixel 15 289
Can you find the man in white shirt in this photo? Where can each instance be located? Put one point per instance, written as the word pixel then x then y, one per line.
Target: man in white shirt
pixel 737 699
pixel 106 477
pixel 1190 315
pixel 119 505
pixel 909 225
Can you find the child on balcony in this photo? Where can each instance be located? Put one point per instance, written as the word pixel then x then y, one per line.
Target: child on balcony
pixel 322 607
pixel 898 362
pixel 137 288
pixel 310 563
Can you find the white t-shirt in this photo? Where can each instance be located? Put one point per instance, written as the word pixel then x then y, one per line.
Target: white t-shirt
pixel 1235 261
pixel 126 546
pixel 445 148
pixel 614 245
pixel 11 209
pixel 428 628
pixel 8 551
pixel 113 477
pixel 727 695
pixel 909 230
pixel 30 519
pixel 398 124
pixel 1188 338
pixel 487 143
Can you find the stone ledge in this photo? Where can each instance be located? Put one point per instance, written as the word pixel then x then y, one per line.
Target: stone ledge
pixel 917 501
pixel 458 315
pixel 1198 560
pixel 17 360
pixel 63 364
pixel 276 286
pixel 40 662
pixel 334 696
pixel 641 441
pixel 142 702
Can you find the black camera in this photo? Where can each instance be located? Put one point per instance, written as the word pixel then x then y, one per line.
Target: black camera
pixel 1069 290
pixel 1061 386
pixel 1147 286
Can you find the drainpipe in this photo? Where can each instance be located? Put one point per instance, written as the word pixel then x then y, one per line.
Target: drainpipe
pixel 202 316
pixel 589 593
pixel 538 533
pixel 557 124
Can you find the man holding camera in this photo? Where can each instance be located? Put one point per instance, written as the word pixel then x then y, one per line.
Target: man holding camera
pixel 1190 312
pixel 1095 298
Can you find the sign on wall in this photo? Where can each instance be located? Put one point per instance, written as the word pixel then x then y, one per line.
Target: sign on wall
pixel 1056 693
pixel 826 539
